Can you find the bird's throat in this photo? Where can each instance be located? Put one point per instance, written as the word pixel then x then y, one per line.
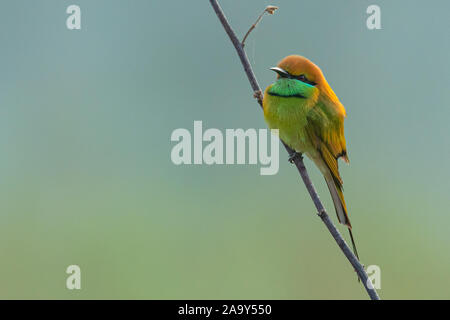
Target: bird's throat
pixel 291 88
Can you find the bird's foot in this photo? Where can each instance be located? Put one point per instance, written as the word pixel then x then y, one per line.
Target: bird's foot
pixel 258 95
pixel 295 155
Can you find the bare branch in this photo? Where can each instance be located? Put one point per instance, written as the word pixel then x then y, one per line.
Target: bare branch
pixel 297 159
pixel 269 10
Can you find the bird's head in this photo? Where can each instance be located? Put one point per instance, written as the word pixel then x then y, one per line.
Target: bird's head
pixel 297 77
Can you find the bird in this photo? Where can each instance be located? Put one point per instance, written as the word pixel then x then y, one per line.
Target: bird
pixel 310 120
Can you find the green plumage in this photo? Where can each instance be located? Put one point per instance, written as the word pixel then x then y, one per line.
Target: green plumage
pixel 291 88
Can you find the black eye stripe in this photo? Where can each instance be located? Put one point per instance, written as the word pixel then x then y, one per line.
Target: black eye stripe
pixel 303 78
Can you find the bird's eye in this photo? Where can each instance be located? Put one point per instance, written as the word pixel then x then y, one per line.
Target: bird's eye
pixel 302 77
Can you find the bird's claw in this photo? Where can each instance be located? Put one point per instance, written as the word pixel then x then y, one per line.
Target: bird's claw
pixel 295 155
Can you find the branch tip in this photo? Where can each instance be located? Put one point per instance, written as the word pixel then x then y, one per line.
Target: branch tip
pixel 269 10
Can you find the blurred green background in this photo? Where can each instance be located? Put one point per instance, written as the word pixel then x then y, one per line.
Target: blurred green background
pixel 86 176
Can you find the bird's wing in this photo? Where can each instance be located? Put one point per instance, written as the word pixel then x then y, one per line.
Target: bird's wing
pixel 325 127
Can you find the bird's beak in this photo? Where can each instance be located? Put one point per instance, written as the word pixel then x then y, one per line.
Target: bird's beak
pixel 281 72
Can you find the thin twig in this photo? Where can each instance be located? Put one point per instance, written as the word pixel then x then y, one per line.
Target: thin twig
pixel 298 160
pixel 269 10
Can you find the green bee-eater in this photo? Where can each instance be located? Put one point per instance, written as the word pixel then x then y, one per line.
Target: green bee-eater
pixel 310 120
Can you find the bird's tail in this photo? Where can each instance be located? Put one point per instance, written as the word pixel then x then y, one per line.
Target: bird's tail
pixel 335 187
